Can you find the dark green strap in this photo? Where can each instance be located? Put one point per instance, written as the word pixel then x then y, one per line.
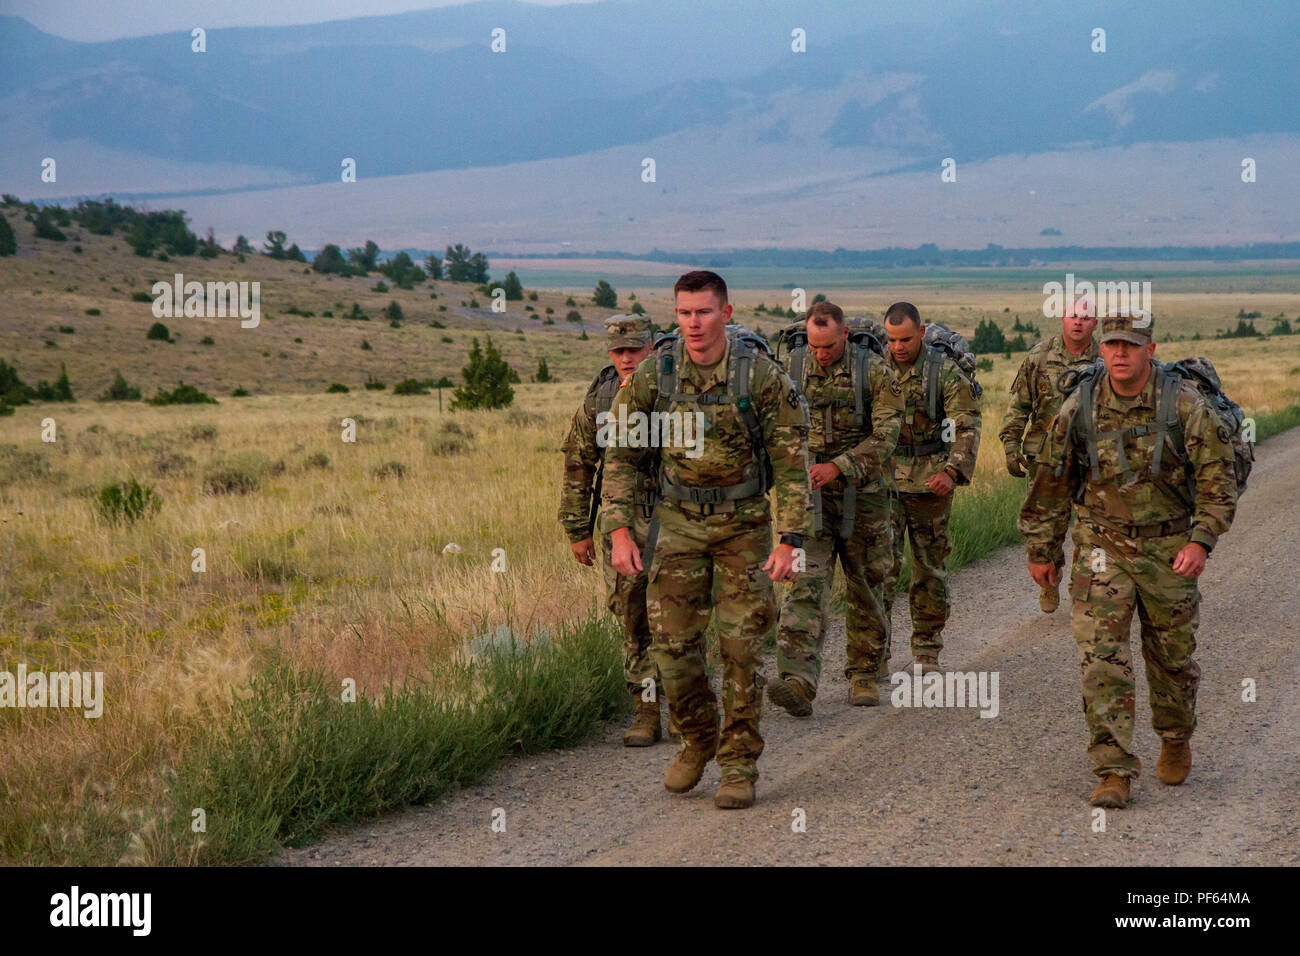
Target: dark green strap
pixel 1089 425
pixel 711 495
pixel 917 451
pixel 817 510
pixel 847 509
pixel 651 537
pixel 933 366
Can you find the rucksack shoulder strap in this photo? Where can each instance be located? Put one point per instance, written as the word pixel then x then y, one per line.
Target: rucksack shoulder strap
pixel 860 378
pixel 1085 420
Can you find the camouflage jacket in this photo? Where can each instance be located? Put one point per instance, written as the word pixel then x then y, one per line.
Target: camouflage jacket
pixel 1035 395
pixel 959 403
pixel 582 457
pixel 724 456
pixel 862 454
pixel 1148 500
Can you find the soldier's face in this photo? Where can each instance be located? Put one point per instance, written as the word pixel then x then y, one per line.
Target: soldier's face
pixel 702 316
pixel 905 339
pixel 626 360
pixel 1127 363
pixel 1077 328
pixel 827 342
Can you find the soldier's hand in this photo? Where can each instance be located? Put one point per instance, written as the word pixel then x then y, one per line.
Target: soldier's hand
pixel 626 559
pixel 1044 575
pixel 823 474
pixel 940 484
pixel 1017 463
pixel 780 563
pixel 584 551
pixel 1190 561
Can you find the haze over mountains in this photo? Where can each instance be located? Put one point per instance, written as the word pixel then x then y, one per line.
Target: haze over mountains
pixel 541 148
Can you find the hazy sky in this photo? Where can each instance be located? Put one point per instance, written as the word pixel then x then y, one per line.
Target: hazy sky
pixel 109 19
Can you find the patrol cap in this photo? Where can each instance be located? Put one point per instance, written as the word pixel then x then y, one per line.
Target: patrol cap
pixel 1132 327
pixel 627 331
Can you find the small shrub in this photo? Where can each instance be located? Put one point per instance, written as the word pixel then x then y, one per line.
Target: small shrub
pixel 389 469
pixel 158 332
pixel 92 312
pixel 240 392
pixel 337 389
pixel 141 297
pixel 573 316
pixel 984 365
pixel 238 475
pixel 379 286
pixel 207 340
pixel 170 463
pixel 448 339
pixel 182 394
pixel 374 385
pixel 127 501
pixel 317 460
pixel 67 330
pixel 410 386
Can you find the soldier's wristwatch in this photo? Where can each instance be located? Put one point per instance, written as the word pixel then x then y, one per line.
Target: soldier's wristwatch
pixel 793 540
pixel 951 472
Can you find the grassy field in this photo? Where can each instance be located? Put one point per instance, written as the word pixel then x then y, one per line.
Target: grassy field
pixel 325 561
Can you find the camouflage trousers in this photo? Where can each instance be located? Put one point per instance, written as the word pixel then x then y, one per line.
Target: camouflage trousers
pixel 693 550
pixel 864 558
pixel 1058 547
pixel 1111 578
pixel 924 519
pixel 625 598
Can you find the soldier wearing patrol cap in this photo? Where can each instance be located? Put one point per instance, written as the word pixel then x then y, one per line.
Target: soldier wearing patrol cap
pixel 1144 455
pixel 628 340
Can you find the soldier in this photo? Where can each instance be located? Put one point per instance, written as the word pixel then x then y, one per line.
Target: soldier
pixel 856 411
pixel 628 339
pixel 1035 399
pixel 1153 493
pixel 937 446
pixel 712 523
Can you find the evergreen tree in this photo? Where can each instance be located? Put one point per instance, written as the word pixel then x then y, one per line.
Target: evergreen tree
pixel 988 338
pixel 487 380
pixel 605 296
pixel 8 241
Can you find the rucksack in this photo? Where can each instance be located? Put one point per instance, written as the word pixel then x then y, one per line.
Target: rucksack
pixel 865 337
pixel 1201 373
pixel 745 345
pixel 939 343
pixel 668 354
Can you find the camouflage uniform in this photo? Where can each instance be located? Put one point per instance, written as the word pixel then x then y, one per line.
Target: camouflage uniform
pixel 625 596
pixel 862 455
pixel 1035 399
pixel 919 511
pixel 728 541
pixel 1138 528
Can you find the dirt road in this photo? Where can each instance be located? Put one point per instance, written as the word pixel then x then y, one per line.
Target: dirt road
pixel 893 785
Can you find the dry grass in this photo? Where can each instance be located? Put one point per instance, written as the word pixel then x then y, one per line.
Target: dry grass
pixel 333 562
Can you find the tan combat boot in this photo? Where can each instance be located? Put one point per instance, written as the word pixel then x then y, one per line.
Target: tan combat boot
pixel 674 732
pixel 792 694
pixel 864 692
pixel 645 730
pixel 688 767
pixel 1112 792
pixel 736 793
pixel 929 663
pixel 1175 761
pixel 1049 598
